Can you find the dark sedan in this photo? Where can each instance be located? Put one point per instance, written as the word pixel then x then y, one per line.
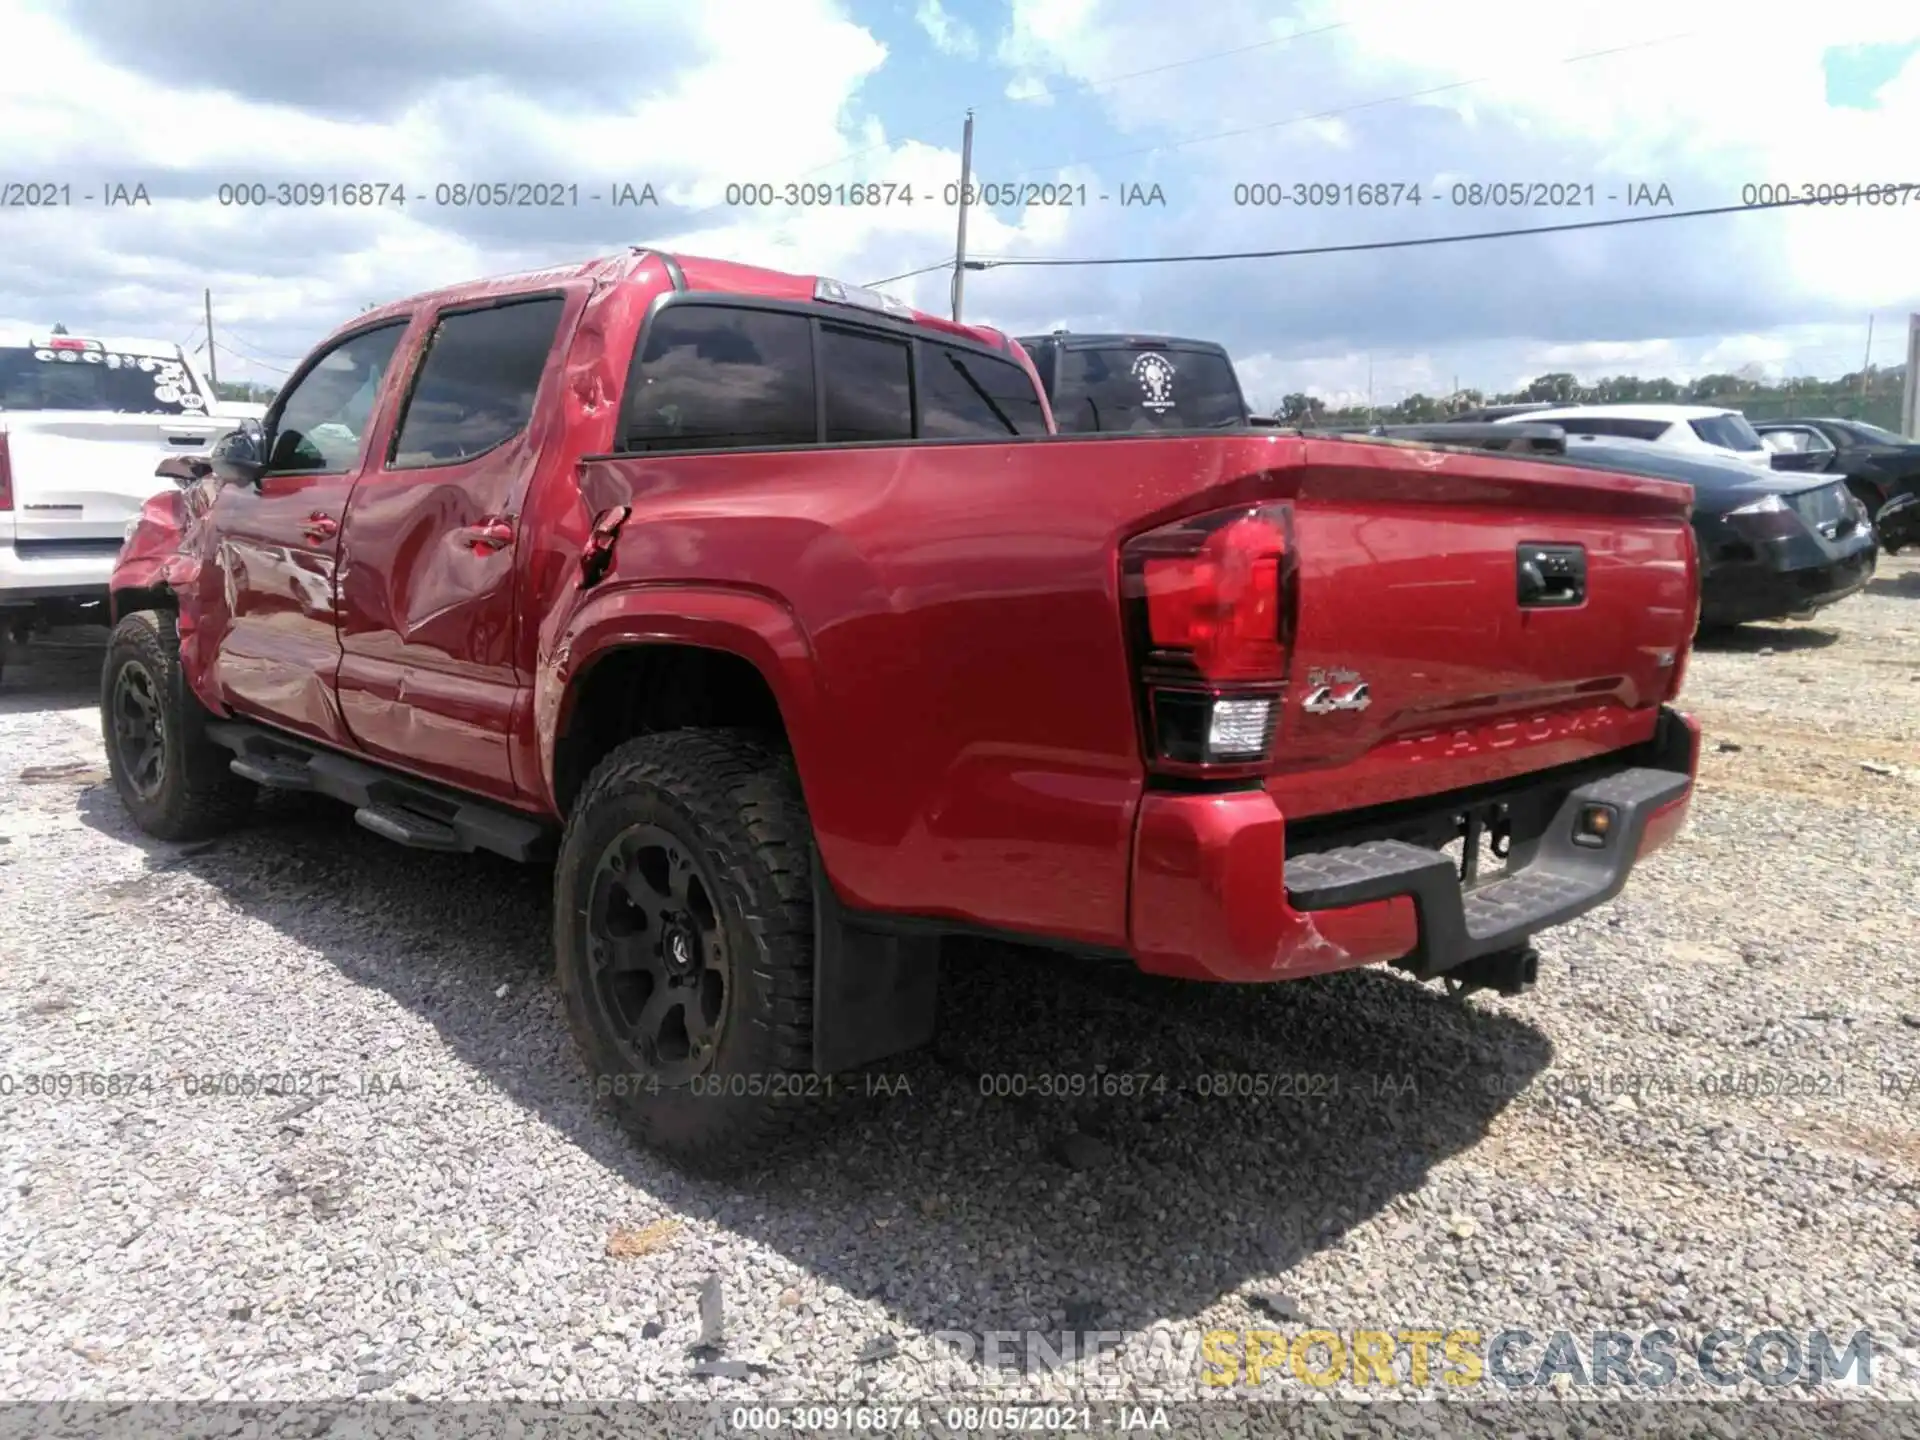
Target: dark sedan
pixel 1877 464
pixel 1771 545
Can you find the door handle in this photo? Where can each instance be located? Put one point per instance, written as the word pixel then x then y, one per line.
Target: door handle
pixel 1548 575
pixel 321 526
pixel 487 535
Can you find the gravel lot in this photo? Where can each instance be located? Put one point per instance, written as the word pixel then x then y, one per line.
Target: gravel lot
pixel 454 1219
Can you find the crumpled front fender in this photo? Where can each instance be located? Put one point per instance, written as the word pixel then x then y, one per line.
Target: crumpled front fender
pixel 162 550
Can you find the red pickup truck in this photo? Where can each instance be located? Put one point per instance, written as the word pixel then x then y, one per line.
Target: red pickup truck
pixel 777 616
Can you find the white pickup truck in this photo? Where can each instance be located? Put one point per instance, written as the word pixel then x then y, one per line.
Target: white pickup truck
pixel 83 422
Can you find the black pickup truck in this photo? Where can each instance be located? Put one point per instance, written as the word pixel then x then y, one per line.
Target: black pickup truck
pixel 1137 382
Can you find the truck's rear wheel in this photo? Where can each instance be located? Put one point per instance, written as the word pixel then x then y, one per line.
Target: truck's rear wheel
pixel 683 936
pixel 174 781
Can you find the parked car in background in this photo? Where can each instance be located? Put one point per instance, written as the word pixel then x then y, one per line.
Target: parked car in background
pixel 1137 382
pixel 1876 464
pixel 1486 414
pixel 1771 545
pixel 1690 429
pixel 83 422
pixel 774 612
pixel 1897 523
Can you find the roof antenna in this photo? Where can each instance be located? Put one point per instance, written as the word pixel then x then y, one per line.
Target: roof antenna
pixel 59 329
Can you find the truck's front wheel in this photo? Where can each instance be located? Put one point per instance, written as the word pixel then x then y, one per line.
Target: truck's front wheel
pixel 683 935
pixel 175 782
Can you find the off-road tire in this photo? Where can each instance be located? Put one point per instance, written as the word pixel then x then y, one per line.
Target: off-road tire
pixel 733 799
pixel 197 796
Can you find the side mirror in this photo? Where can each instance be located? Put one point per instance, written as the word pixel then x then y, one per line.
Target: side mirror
pixel 183 470
pixel 240 456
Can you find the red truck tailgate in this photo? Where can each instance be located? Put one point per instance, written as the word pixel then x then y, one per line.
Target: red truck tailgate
pixel 1409 583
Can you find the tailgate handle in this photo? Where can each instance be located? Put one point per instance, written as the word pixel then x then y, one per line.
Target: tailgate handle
pixel 1548 575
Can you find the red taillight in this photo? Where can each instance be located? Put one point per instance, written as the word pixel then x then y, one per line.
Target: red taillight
pixel 6 474
pixel 1210 614
pixel 1222 605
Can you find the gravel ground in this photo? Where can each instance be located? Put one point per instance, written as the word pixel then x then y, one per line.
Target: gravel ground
pixel 453 1219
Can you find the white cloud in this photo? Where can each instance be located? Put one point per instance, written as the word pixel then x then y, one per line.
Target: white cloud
pixel 949 36
pixel 737 91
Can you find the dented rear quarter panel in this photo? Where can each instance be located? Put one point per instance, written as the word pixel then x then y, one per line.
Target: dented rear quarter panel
pixel 941 627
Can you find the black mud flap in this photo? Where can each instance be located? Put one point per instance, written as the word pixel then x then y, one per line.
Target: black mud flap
pixel 874 990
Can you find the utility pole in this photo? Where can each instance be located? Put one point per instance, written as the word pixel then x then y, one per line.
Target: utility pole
pixel 1369 389
pixel 1910 398
pixel 960 243
pixel 1866 365
pixel 213 364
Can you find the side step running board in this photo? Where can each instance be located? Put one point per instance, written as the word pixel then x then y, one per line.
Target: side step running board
pixel 395 806
pixel 1552 880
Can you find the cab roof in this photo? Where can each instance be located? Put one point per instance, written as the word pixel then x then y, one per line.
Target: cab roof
pixel 700 273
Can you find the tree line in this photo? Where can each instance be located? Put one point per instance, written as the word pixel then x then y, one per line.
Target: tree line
pixel 1865 394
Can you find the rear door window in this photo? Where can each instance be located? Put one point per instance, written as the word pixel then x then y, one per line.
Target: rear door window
pixel 965 396
pixel 1617 425
pixel 1729 432
pixel 718 377
pixel 85 375
pixel 477 382
pixel 1146 389
pixel 869 385
pixel 1795 442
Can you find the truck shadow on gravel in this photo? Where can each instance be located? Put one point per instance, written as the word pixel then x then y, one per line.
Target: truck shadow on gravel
pixel 957 1185
pixel 61 674
pixel 1752 639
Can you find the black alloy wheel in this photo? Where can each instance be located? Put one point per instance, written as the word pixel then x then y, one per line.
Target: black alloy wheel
pixel 139 721
pixel 661 965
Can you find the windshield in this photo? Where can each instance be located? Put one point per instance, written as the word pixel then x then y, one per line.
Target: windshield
pixel 96 379
pixel 1122 389
pixel 1729 432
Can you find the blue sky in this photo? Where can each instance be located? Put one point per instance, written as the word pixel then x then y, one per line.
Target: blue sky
pixel 1580 101
pixel 1855 73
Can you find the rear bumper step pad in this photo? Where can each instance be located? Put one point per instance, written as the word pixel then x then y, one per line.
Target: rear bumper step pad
pixel 1549 881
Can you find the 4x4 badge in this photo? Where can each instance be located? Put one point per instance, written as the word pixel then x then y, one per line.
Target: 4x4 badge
pixel 1331 690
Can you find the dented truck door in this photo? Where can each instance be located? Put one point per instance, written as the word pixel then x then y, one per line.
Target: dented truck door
pixel 433 551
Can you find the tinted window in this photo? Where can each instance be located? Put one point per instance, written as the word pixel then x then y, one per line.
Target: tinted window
pixel 1040 351
pixel 869 387
pixel 477 383
pixel 1120 389
pixel 1608 425
pixel 712 376
pixel 1729 432
pixel 1795 442
pixel 325 414
pixel 38 378
pixel 965 395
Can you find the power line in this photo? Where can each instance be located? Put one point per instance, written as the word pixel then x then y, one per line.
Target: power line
pixel 269 354
pixel 250 360
pixel 1342 109
pixel 1408 244
pixel 909 274
pixel 1296 119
